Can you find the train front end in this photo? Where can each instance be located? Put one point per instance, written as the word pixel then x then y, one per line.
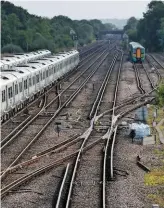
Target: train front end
pixel 137 52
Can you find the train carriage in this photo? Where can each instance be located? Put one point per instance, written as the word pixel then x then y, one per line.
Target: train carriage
pixel 16 59
pixel 136 52
pixel 13 90
pixel 20 84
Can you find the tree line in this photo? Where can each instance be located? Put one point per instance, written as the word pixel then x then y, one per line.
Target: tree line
pixel 22 31
pixel 149 30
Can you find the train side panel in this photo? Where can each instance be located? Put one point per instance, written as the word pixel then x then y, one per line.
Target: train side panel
pixel 37 76
pixel 136 52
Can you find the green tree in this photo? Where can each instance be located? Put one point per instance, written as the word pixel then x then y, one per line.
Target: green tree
pixel 131 28
pixel 149 26
pixel 160 94
pixel 32 32
pixel 131 24
pixel 160 34
pixel 11 48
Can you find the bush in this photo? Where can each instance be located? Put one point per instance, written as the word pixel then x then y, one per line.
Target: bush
pixel 11 48
pixel 160 94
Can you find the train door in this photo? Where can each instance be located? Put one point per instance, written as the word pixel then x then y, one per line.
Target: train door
pixel 21 92
pixel 10 94
pixel 37 82
pixel 25 87
pixel 17 96
pixel 4 100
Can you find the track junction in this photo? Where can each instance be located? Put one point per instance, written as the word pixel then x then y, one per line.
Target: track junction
pixel 66 140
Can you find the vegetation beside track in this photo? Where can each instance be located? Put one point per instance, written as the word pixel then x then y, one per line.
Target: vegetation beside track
pixel 160 94
pixel 149 30
pixel 31 32
pixel 158 108
pixel 155 179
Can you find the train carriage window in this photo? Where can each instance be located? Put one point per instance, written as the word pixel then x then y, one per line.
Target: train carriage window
pixel 10 92
pixel 41 77
pixel 3 96
pixel 37 78
pixel 20 86
pixel 54 70
pixel 16 89
pixel 30 83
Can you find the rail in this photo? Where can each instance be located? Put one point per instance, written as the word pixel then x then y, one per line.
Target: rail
pixel 8 140
pixel 88 132
pixel 139 83
pixel 109 134
pixel 55 114
pixel 148 58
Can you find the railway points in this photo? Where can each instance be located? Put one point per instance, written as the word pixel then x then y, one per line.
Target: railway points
pixel 89 102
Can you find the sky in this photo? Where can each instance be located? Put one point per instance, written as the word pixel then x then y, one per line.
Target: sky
pixel 85 9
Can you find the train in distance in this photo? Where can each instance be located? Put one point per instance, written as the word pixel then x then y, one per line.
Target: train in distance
pixel 136 52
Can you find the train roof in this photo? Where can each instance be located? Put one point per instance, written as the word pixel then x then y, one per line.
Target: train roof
pixel 20 58
pixel 6 79
pixel 136 44
pixel 9 75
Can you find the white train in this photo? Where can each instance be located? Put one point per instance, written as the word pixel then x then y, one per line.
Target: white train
pixel 9 61
pixel 21 84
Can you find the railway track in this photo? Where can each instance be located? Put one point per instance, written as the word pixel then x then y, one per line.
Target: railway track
pixel 110 140
pixel 142 74
pixel 138 80
pixel 82 64
pixel 156 65
pixel 52 91
pixel 88 145
pixel 89 136
pixel 26 146
pixel 90 49
pixel 48 119
pixel 87 142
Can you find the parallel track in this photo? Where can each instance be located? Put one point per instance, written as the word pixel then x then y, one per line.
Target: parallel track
pixel 109 148
pixel 56 113
pixel 109 135
pixel 86 57
pixel 6 189
pixel 81 65
pixel 153 62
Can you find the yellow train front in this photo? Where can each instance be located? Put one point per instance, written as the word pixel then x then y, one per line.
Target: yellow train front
pixel 136 52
